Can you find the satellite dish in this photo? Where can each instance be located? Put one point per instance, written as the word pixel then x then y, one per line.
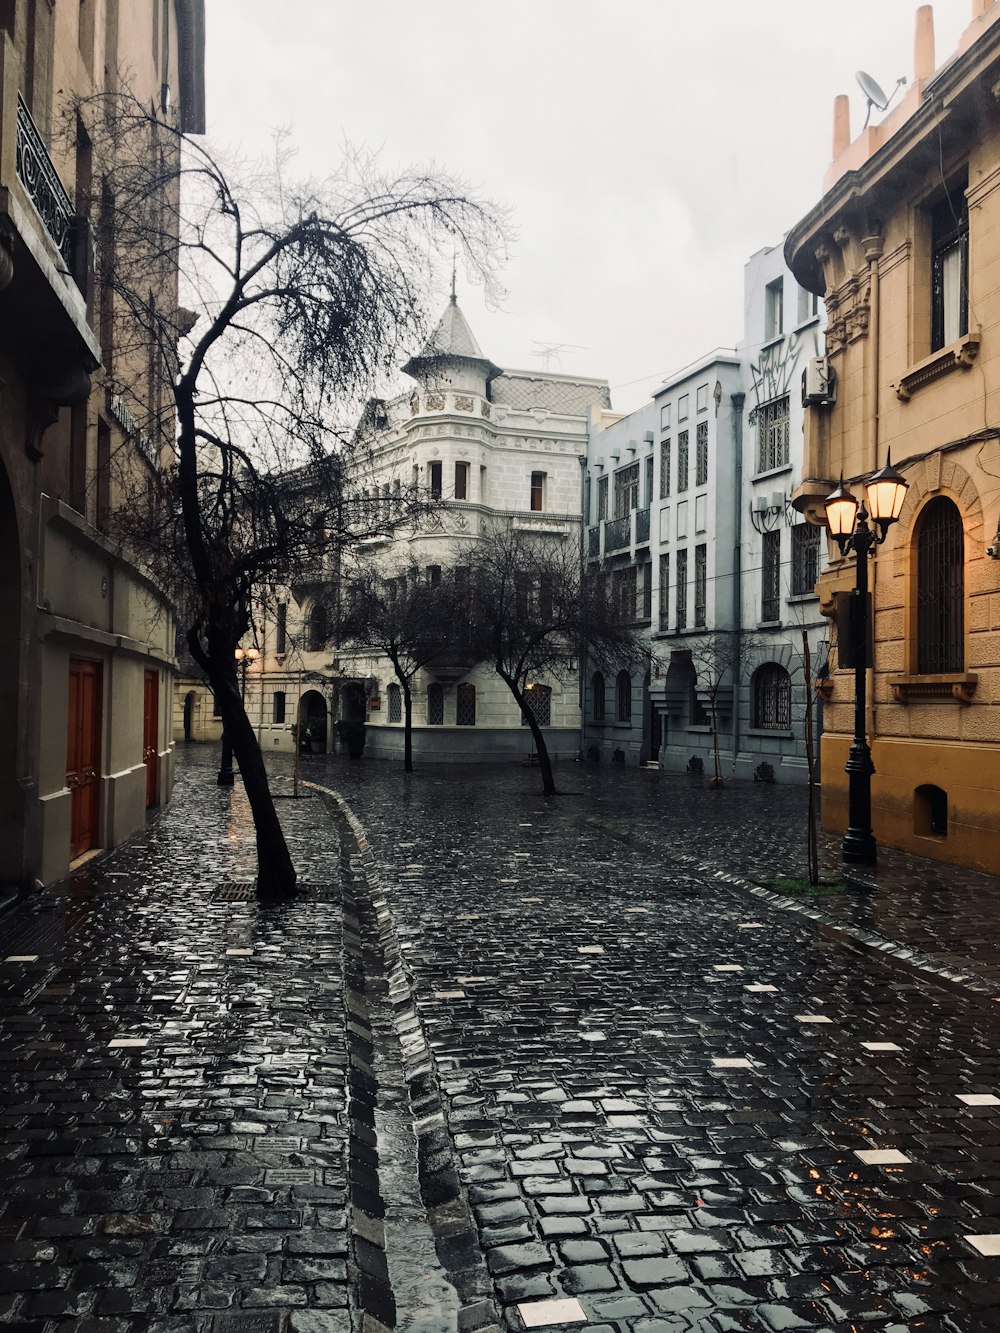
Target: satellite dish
pixel 874 93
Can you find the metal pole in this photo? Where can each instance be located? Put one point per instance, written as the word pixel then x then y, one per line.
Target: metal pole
pixel 859 842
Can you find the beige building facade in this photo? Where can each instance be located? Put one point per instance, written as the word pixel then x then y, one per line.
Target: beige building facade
pixel 86 636
pixel 904 247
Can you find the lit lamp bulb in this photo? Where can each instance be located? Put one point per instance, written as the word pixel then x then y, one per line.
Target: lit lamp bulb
pixel 841 515
pixel 886 491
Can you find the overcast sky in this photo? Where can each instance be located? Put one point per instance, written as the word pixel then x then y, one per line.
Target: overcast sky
pixel 647 147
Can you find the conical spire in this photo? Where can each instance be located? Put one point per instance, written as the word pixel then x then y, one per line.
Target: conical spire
pixel 452 340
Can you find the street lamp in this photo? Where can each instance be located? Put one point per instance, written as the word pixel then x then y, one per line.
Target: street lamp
pixel 244 656
pixel 848 524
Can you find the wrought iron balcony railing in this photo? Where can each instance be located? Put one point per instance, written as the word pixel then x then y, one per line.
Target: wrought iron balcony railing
pixel 641 527
pixel 593 543
pixel 42 184
pixel 616 533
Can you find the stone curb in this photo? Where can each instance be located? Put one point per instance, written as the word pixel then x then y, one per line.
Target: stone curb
pixel 455 1235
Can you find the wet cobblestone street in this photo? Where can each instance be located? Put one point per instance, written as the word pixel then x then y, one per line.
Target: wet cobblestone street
pixel 628 1093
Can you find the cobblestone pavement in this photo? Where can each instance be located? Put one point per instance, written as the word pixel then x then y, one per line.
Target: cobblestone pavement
pixel 681 1106
pixel 173 1086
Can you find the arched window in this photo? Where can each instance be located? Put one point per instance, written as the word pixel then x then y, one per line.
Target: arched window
pixel 435 705
pixel 395 703
pixel 597 690
pixel 772 698
pixel 465 706
pixel 317 628
pixel 539 700
pixel 940 588
pixel 623 688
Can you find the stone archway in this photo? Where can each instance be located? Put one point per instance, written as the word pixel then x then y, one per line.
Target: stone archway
pixel 11 795
pixel 189 699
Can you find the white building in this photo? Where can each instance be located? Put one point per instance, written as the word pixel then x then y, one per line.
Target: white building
pixel 490 444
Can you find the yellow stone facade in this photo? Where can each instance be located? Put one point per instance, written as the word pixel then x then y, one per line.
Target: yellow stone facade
pixel 905 249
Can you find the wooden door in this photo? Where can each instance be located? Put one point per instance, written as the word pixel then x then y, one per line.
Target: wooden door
pixel 83 753
pixel 150 720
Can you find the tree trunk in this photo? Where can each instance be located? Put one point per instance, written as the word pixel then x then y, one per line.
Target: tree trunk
pixel 407 728
pixel 275 871
pixel 718 780
pixel 541 749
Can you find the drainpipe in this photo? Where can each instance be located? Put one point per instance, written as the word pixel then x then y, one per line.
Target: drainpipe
pixel 873 246
pixel 737 400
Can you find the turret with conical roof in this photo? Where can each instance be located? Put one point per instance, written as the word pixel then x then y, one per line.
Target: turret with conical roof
pixel 451 357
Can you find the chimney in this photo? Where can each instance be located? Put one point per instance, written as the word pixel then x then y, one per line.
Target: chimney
pixel 923 44
pixel 841 124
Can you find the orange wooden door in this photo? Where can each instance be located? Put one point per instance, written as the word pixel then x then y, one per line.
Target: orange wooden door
pixel 83 753
pixel 150 718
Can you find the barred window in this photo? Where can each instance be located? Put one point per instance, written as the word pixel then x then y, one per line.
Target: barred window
pixel 602 498
pixel 465 706
pixel 940 588
pixel 647 592
pixel 664 469
pixel 772 435
pixel 395 703
pixel 279 706
pixel 539 701
pixel 281 629
pixel 664 590
pixel 682 462
pixel 700 583
pixel 435 705
pixel 701 454
pixel 623 689
pixel 317 636
pixel 805 558
pixel 626 490
pixel 597 694
pixel 770 577
pixel 682 589
pixel 772 698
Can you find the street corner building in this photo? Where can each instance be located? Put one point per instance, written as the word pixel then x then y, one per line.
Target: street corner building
pixel 904 248
pixel 86 634
pixel 485 445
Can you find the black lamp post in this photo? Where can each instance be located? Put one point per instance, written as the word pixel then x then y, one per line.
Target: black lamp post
pixel 226 778
pixel 850 528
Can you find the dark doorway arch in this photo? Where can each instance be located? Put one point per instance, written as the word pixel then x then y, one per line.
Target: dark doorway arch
pixel 189 715
pixel 11 796
pixel 313 714
pixel 354 709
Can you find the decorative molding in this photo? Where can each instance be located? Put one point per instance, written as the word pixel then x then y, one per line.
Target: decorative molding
pixel 959 355
pixel 982 189
pixel 960 685
pixel 901 255
pixel 463 404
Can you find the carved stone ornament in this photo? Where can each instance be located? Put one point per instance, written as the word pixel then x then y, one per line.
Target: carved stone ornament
pixel 464 404
pixel 434 522
pixel 434 402
pixel 484 408
pixel 414 405
pixel 461 522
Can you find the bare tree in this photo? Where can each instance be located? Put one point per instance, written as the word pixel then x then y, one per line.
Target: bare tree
pixel 398 612
pixel 533 611
pixel 299 300
pixel 719 659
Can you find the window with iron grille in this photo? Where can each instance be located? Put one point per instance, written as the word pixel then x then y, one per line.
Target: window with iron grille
pixel 772 435
pixel 682 462
pixel 279 706
pixel 465 706
pixel 623 690
pixel 805 558
pixel 950 269
pixel 647 592
pixel 317 637
pixel 539 701
pixel 700 583
pixel 602 498
pixel 772 698
pixel 664 590
pixel 940 588
pixel 701 454
pixel 395 703
pixel 664 469
pixel 770 577
pixel 281 629
pixel 626 490
pixel 700 716
pixel 649 480
pixel 597 696
pixel 435 705
pixel 682 589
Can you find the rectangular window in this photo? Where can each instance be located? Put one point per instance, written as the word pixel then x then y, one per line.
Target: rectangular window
pixel 649 480
pixel 808 307
pixel 433 576
pixel 216 707
pixel 435 475
pixel 602 498
pixel 950 269
pixel 700 583
pixel 279 705
pixel 701 513
pixel 647 592
pixel 701 455
pixel 281 630
pixel 770 577
pixel 435 705
pixel 774 316
pixel 682 462
pixel 482 484
pixel 682 407
pixel 537 491
pixel 465 706
pixel 772 435
pixel 805 558
pixel 682 518
pixel 664 469
pixel 624 588
pixel 665 417
pixel 702 398
pixel 586 499
pixel 664 590
pixel 682 589
pixel 461 481
pixel 626 490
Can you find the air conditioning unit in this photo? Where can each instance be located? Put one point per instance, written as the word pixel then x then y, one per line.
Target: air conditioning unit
pixel 819 382
pixel 777 500
pixel 760 504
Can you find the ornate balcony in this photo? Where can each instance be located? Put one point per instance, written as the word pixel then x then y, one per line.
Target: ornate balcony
pixel 617 533
pixel 42 184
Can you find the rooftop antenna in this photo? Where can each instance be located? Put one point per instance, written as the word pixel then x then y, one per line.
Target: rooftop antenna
pixel 873 92
pixel 551 351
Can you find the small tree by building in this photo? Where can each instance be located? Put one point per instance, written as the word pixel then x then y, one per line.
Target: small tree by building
pixel 719 659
